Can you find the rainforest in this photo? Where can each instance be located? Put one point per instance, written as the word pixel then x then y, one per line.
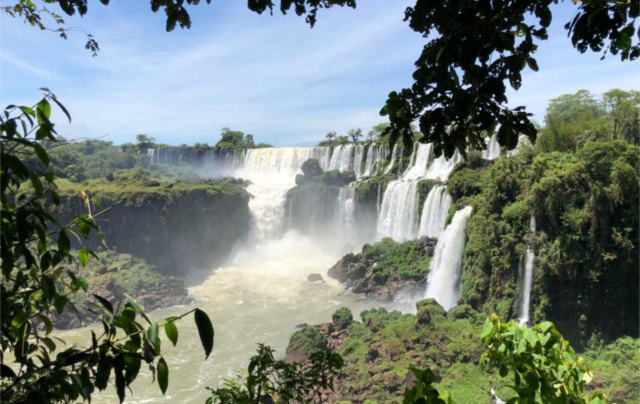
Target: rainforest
pixel 429 259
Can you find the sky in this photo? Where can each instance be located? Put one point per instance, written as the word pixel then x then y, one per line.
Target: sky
pixel 271 76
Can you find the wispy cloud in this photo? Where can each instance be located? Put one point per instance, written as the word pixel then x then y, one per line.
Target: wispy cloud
pixel 271 76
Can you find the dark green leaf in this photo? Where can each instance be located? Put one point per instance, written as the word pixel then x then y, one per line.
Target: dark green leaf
pixel 41 153
pixel 105 303
pixel 172 332
pixel 163 375
pixel 48 286
pixel 205 329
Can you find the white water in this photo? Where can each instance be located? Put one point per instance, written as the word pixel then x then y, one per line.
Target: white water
pixel 259 296
pixel 342 158
pixel 345 213
pixel 435 211
pixel 493 148
pixel 420 159
pixel 442 167
pixel 443 283
pixel 528 278
pixel 392 162
pixel 373 153
pixel 398 211
pixel 357 160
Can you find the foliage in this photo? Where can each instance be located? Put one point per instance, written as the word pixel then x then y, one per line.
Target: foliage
pixel 79 161
pixel 616 369
pixel 35 249
pixel 474 48
pixel 270 381
pixel 572 120
pixel 308 339
pixel 543 365
pixel 385 263
pixel 585 206
pixel 342 318
pixel 236 139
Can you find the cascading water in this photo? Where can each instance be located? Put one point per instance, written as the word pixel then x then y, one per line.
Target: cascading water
pixel 442 167
pixel 373 152
pixel 419 162
pixel 357 160
pixel 528 277
pixel 345 213
pixel 392 162
pixel 443 284
pixel 398 211
pixel 342 158
pixel 493 149
pixel 435 211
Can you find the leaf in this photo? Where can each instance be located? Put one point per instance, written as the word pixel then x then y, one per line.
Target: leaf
pixel 163 375
pixel 37 184
pixel 63 242
pixel 152 334
pixel 102 376
pixel 48 286
pixel 53 97
pixel 41 153
pixel 172 332
pixel 205 329
pixel 487 329
pixel 137 307
pixel 83 256
pixel 104 302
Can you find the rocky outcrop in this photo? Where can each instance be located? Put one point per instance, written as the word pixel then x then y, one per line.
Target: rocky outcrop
pixel 385 268
pixel 176 228
pixel 113 275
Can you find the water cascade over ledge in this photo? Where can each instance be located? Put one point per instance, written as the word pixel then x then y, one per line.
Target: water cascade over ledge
pixel 443 283
pixel 435 211
pixel 528 278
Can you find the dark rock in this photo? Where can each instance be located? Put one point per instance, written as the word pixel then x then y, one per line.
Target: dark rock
pixel 315 278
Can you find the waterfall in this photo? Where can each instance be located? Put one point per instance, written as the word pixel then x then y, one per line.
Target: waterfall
pixel 528 277
pixel 419 162
pixel 442 167
pixel 372 158
pixel 397 218
pixel 357 160
pixel 345 212
pixel 444 272
pixel 341 158
pixel 435 211
pixel 493 148
pixel 392 162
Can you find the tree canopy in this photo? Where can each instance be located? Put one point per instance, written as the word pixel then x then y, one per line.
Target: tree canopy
pixel 472 49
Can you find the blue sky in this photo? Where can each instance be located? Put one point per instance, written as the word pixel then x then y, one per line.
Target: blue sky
pixel 272 76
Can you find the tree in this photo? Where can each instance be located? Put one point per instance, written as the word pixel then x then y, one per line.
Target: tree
pixel 572 120
pixel 472 49
pixel 231 138
pixel 623 108
pixel 354 134
pixel 331 135
pixel 248 140
pixel 145 141
pixel 38 279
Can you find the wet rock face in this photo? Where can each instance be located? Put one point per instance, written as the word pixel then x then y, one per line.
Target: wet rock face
pixel 177 231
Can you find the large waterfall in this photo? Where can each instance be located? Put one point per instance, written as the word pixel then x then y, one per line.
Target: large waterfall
pixel 528 277
pixel 444 273
pixel 419 162
pixel 398 211
pixel 435 211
